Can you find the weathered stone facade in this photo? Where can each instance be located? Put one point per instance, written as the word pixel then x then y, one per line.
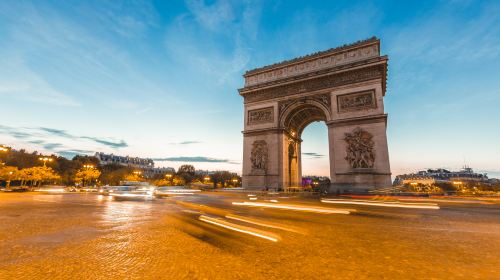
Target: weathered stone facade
pixel 344 87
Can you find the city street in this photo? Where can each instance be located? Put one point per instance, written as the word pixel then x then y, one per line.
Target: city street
pixel 222 235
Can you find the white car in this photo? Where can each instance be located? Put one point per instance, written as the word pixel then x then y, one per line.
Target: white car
pixel 131 192
pixel 170 191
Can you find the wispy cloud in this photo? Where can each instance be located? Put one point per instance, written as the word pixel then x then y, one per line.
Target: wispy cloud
pixel 51 58
pixel 125 18
pixel 195 159
pixel 57 132
pixel 105 142
pixel 213 39
pixel 109 143
pixel 314 155
pixel 52 146
pixel 45 137
pixel 20 81
pixel 214 16
pixel 186 143
pixel 69 154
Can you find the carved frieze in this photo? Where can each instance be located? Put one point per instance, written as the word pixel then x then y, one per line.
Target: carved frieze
pixel 319 83
pixel 360 149
pixel 335 59
pixel 258 116
pixel 356 101
pixel 259 156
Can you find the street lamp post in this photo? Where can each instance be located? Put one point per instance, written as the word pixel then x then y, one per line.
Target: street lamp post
pixel 86 166
pixel 45 160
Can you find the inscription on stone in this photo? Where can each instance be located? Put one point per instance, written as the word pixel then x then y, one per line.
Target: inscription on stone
pixel 356 101
pixel 264 115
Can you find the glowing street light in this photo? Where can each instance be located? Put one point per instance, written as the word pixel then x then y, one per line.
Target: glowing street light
pixel 137 173
pixel 88 166
pixel 169 178
pixel 45 159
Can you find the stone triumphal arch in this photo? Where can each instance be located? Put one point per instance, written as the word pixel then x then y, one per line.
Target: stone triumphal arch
pixel 344 87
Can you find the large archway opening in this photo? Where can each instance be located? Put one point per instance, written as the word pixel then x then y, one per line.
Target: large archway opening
pixel 296 118
pixel 315 152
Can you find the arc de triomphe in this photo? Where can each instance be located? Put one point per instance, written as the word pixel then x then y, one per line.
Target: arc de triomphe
pixel 345 88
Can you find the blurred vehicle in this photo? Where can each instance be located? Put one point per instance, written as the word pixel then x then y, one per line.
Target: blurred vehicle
pixel 105 190
pixel 14 189
pixel 169 191
pixel 70 189
pixel 131 192
pixel 50 189
pixel 89 190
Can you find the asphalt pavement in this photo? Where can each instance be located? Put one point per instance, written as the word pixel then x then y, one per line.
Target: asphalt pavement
pixel 224 235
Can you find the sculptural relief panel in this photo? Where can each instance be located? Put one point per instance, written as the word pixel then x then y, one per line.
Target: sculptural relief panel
pixel 258 116
pixel 360 149
pixel 259 156
pixel 356 101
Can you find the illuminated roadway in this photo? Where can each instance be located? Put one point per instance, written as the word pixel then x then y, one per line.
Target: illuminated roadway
pixel 246 236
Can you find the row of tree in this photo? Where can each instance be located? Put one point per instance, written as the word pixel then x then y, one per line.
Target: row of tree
pixel 31 176
pixel 26 169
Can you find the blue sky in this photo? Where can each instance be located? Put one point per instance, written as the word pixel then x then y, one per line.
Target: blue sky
pixel 160 79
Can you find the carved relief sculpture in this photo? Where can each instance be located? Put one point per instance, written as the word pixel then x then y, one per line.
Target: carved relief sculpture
pixel 316 84
pixel 360 152
pixel 259 155
pixel 264 115
pixel 321 98
pixel 356 101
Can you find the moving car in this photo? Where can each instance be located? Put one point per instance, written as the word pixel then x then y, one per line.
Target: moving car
pixel 131 192
pixel 50 189
pixel 170 191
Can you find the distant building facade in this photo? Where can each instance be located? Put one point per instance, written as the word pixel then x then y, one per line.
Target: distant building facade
pixel 136 162
pixel 431 176
pixel 203 172
pixel 147 165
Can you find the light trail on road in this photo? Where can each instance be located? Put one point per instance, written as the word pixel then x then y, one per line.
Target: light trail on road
pixel 383 204
pixel 314 209
pixel 259 223
pixel 238 228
